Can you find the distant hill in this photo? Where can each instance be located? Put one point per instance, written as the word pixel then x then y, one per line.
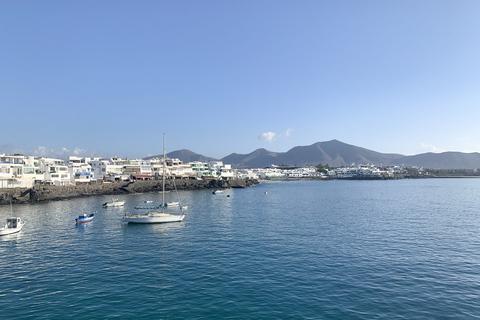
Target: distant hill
pixel 336 154
pixel 445 160
pixel 185 156
pixel 257 159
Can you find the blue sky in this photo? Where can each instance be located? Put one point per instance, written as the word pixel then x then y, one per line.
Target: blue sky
pixel 107 78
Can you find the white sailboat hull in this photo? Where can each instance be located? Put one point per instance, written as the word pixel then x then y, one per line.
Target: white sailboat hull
pixel 153 217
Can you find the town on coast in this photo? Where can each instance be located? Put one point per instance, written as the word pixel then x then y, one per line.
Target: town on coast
pixel 33 179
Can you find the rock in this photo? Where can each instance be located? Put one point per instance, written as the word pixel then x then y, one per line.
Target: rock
pixel 51 193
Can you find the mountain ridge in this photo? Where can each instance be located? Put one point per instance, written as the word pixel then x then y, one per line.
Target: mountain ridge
pixel 336 154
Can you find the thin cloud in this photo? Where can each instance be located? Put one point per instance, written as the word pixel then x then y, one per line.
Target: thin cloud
pixel 272 136
pixel 42 151
pixel 268 136
pixel 426 147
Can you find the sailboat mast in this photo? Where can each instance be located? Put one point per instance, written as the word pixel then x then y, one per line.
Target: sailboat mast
pixel 163 182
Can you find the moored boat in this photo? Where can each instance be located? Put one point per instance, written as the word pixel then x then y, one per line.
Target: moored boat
pixel 153 217
pixel 172 204
pixel 84 218
pixel 114 203
pixel 156 217
pixel 13 225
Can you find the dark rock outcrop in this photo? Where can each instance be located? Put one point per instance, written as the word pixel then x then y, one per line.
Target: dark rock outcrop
pixel 51 193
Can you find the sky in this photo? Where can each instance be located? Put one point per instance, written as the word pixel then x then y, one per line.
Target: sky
pixel 108 78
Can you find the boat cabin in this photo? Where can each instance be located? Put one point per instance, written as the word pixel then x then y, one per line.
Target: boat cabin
pixel 13 223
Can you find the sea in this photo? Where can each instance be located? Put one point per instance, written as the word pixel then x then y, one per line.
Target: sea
pixel 389 249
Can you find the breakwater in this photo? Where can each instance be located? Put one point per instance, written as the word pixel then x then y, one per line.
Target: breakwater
pixel 51 193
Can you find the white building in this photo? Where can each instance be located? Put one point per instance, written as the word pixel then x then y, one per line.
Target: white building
pixel 18 171
pixel 201 169
pixel 80 170
pixel 221 171
pixel 55 171
pixel 101 168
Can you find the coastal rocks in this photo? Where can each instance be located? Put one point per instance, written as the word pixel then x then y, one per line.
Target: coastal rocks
pixel 51 193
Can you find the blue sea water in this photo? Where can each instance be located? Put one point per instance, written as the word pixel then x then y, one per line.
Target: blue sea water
pixel 402 249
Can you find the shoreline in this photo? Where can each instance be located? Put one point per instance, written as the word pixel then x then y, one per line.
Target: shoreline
pixel 44 193
pixel 404 177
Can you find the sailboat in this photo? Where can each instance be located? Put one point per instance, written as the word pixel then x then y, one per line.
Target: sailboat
pixel 155 217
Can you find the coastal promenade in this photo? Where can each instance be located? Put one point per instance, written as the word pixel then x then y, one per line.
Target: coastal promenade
pixel 50 193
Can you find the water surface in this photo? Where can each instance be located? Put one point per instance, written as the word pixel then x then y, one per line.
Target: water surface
pixel 281 250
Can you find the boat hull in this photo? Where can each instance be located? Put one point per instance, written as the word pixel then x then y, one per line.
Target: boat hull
pixel 172 204
pixel 156 217
pixel 84 218
pixel 5 231
pixel 114 204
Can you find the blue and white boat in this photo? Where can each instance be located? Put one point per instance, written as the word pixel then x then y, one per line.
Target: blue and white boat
pixel 84 218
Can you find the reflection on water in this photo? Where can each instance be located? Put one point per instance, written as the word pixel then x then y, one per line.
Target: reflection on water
pixel 14 237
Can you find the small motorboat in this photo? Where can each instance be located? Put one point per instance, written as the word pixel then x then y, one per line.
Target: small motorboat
pixel 84 218
pixel 114 203
pixel 217 192
pixel 13 225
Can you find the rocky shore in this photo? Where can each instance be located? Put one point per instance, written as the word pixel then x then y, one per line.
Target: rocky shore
pixel 51 193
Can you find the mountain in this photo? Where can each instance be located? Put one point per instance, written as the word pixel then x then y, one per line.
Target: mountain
pixel 336 154
pixel 257 159
pixel 185 156
pixel 445 160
